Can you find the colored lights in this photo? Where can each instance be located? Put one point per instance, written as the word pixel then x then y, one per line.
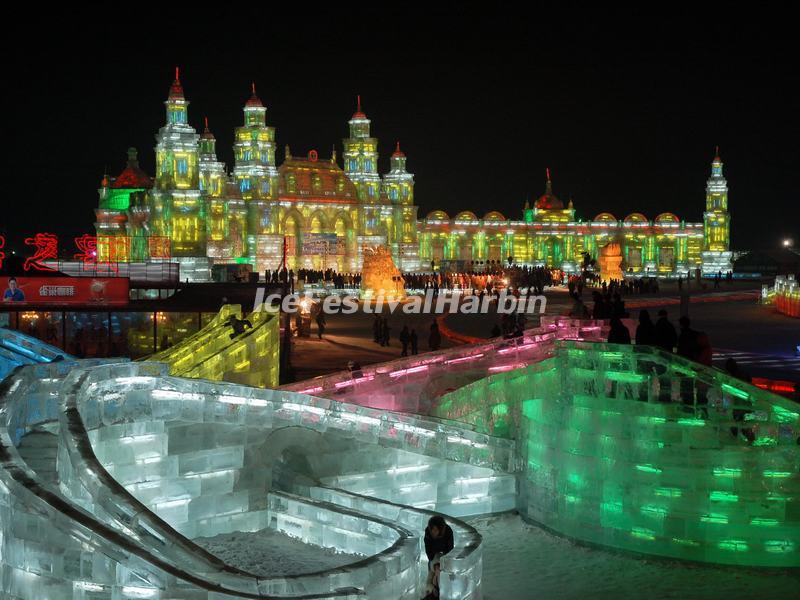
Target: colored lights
pixel 207 214
pixel 46 245
pixel 717 496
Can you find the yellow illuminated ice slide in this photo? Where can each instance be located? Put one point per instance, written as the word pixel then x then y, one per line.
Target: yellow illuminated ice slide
pixel 216 352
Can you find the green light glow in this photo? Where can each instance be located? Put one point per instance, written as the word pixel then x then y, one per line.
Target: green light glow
pixel 715 518
pixel 783 415
pixel 727 472
pixel 624 377
pixel 500 410
pixel 672 482
pixel 653 420
pixel 685 542
pixel 612 507
pixel 765 441
pixel 692 422
pixel 648 469
pixel 643 534
pixel 733 545
pixel 734 391
pixel 717 496
pixel 779 546
pixel 777 474
pixel 653 511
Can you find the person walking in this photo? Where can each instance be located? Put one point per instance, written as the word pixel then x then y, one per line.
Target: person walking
pixel 435 337
pixel 321 324
pixel 405 338
pixel 414 342
pixel 385 331
pixel 376 329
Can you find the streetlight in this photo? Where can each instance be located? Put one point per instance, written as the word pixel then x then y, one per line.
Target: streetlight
pixel 788 243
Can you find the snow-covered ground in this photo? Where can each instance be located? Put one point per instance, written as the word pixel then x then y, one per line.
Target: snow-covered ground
pixel 522 561
pixel 269 553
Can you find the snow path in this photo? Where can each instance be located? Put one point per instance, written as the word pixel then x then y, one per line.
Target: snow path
pixel 270 553
pixel 522 561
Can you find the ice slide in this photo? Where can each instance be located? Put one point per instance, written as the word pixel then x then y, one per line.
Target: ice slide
pixel 18 349
pixel 216 352
pixel 147 462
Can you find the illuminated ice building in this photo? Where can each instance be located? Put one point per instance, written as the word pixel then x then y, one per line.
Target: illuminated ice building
pixel 197 212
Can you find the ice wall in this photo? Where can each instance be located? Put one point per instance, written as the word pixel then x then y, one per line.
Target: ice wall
pixel 632 448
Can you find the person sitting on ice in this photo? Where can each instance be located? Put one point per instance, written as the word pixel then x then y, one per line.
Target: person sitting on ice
pixel 438 538
pixel 238 325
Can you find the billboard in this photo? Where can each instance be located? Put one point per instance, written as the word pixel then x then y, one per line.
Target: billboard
pixel 320 244
pixel 102 291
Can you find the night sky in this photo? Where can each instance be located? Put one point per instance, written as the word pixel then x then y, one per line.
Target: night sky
pixel 624 108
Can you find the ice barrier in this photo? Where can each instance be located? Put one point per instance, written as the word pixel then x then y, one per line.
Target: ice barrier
pixel 17 349
pixel 147 461
pixel 412 384
pixel 216 352
pixel 633 448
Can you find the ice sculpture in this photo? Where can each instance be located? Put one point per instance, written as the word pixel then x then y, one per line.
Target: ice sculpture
pixel 620 446
pixel 380 276
pixel 146 462
pixel 217 352
pixel 18 349
pixel 610 260
pixel 629 447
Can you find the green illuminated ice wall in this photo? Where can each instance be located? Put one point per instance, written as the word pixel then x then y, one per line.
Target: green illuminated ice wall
pixel 635 449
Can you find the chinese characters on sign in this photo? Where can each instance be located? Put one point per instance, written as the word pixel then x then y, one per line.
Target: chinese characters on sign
pixel 46 249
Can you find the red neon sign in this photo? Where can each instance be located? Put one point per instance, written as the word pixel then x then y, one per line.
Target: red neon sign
pixel 46 249
pixel 87 246
pixel 2 254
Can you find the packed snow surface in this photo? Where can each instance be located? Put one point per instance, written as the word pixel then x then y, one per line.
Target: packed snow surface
pixel 522 561
pixel 270 553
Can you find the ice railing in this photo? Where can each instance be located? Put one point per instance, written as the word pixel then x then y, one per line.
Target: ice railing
pixel 249 358
pixel 52 546
pixel 461 568
pixel 19 349
pixel 634 448
pixel 411 384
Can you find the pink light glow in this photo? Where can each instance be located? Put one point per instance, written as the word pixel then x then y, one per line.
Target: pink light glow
pixel 506 367
pixel 408 371
pixel 516 348
pixel 312 390
pixel 349 382
pixel 463 359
